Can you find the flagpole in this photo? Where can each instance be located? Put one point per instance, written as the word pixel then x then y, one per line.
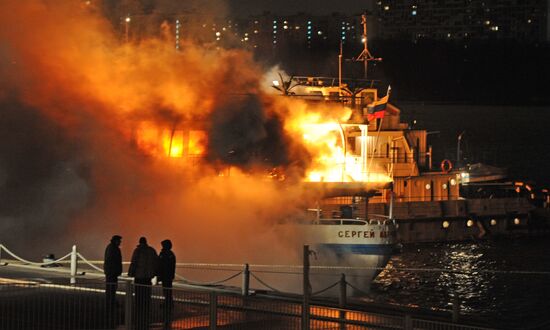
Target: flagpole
pixel 377 135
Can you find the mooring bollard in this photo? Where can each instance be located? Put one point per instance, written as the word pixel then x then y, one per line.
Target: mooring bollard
pixel 246 280
pixel 73 265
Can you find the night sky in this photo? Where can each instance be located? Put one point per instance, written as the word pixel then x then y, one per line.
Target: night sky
pixel 291 6
pixel 242 8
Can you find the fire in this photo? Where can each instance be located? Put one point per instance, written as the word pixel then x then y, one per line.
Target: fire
pixel 338 149
pixel 169 142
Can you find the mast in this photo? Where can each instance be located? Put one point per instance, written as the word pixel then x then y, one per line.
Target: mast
pixel 365 55
pixel 365 47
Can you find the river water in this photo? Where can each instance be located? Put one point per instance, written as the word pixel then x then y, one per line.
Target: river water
pixel 505 283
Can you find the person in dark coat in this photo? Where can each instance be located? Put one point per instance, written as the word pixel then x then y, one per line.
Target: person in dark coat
pixel 166 273
pixel 143 268
pixel 112 267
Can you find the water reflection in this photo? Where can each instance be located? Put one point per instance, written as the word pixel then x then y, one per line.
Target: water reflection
pixel 464 281
pixel 505 283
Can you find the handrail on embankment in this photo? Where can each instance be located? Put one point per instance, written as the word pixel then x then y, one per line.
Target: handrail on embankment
pixel 257 273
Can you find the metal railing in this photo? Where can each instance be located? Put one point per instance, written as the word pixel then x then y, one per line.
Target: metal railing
pixel 37 305
pixel 32 305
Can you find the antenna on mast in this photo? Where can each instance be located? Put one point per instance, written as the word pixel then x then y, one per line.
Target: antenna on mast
pixel 365 55
pixel 340 66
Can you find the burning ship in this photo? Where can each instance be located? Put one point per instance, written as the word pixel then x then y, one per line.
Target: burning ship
pixel 339 182
pixel 373 175
pixel 432 203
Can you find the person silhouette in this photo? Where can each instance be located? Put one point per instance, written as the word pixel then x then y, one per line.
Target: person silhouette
pixel 166 273
pixel 143 268
pixel 112 267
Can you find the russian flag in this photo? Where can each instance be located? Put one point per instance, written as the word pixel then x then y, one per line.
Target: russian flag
pixel 377 109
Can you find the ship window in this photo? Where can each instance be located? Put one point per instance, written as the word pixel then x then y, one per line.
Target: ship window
pixel 405 183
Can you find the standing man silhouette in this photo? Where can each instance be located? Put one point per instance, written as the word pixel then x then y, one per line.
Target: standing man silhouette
pixel 112 267
pixel 143 268
pixel 166 273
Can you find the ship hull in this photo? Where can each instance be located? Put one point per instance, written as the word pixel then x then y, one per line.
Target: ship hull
pixel 342 246
pixel 464 219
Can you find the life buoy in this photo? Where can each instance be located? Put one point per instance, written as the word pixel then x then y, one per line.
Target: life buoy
pixel 446 166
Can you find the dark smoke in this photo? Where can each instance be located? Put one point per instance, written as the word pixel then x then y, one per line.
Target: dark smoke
pixel 242 133
pixel 70 172
pixel 42 181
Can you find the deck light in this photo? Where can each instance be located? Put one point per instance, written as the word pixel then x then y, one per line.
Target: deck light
pixel 517 221
pixel 446 224
pixel 470 223
pixel 493 222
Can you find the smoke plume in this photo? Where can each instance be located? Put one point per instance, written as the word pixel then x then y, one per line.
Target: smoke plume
pixel 73 95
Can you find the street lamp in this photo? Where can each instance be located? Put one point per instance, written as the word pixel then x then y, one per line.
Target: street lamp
pixel 127 23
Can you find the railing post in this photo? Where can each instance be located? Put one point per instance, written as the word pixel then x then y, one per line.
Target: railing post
pixel 246 280
pixel 456 309
pixel 408 322
pixel 128 305
pixel 213 310
pixel 306 290
pixel 73 265
pixel 343 301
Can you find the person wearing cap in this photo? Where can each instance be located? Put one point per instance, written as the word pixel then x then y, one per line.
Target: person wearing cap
pixel 143 268
pixel 112 267
pixel 166 273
